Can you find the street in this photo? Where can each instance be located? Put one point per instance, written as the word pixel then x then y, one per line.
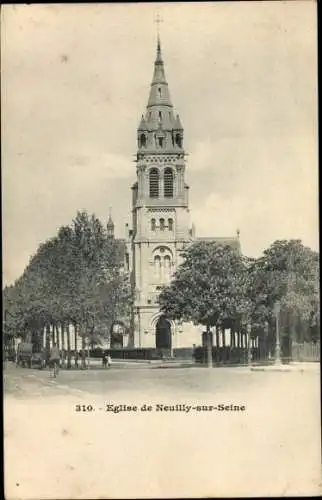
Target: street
pixel 64 438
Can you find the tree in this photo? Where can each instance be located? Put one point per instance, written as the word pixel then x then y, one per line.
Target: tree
pixel 74 278
pixel 208 288
pixel 288 272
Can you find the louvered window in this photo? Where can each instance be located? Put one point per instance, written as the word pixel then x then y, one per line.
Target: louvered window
pixel 168 183
pixel 154 183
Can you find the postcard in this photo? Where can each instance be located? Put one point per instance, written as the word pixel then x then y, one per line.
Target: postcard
pixel 161 319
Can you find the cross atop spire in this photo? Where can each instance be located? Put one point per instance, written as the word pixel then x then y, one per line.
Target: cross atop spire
pixel 158 20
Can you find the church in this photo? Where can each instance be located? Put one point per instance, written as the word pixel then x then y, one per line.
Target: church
pixel 161 226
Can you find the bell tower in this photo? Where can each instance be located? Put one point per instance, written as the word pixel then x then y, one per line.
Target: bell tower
pixel 160 207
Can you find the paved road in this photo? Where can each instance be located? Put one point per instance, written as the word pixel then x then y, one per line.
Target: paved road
pixel 54 451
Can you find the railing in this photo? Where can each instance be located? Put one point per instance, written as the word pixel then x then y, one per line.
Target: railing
pixel 227 355
pixel 308 351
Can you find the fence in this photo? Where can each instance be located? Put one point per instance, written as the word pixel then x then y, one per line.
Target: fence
pixel 227 355
pixel 308 351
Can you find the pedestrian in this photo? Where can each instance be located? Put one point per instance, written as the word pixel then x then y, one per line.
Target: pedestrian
pixel 83 356
pixel 104 359
pixel 109 361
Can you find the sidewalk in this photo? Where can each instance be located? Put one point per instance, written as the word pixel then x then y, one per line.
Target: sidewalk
pixel 177 363
pixel 291 367
pixel 141 363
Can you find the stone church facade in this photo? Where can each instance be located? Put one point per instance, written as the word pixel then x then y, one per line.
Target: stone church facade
pixel 161 226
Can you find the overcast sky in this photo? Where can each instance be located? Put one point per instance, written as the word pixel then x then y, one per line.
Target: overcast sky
pixel 75 81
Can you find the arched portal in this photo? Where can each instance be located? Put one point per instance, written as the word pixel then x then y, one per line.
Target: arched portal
pixel 163 339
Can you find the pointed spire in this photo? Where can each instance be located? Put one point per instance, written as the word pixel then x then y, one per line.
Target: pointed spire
pixel 158 21
pixel 159 93
pixel 157 126
pixel 159 75
pixel 177 124
pixel 143 124
pixel 159 56
pixel 110 225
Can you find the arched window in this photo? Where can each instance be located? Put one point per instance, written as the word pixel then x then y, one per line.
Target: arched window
pixel 142 141
pixel 162 226
pixel 178 140
pixel 159 90
pixel 170 224
pixel 153 224
pixel 160 116
pixel 168 183
pixel 154 183
pixel 167 268
pixel 161 142
pixel 167 261
pixel 157 265
pixel 163 264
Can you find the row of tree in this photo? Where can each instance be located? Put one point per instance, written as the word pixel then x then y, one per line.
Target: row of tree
pixel 76 279
pixel 217 286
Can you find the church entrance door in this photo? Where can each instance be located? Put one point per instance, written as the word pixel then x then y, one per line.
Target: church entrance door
pixel 163 338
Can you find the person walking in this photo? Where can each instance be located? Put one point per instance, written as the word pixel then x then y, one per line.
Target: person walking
pixel 54 360
pixel 109 361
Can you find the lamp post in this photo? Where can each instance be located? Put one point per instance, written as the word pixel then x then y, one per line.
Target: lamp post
pixel 265 337
pixel 277 309
pixel 139 327
pixel 249 351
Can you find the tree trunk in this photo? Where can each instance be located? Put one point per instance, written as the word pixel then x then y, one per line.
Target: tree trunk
pixel 47 343
pixel 232 337
pixel 62 326
pixel 217 339
pixel 76 347
pixel 57 336
pixel 293 335
pixel 75 337
pixel 209 347
pixel 83 350
pixel 69 361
